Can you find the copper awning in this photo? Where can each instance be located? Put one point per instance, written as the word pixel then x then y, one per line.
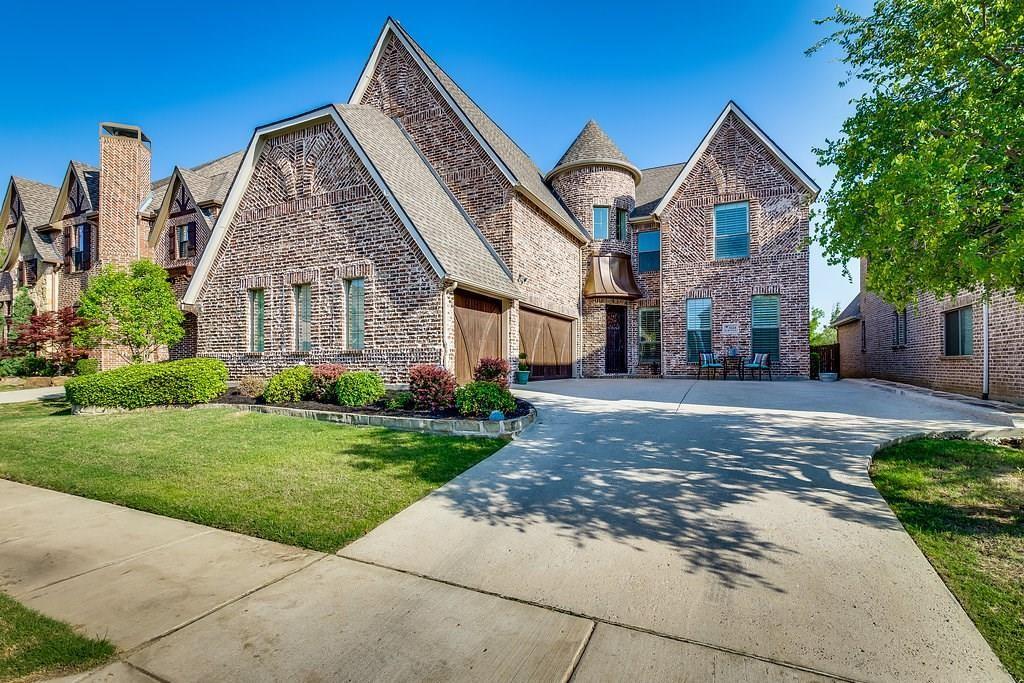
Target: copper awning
pixel 611 276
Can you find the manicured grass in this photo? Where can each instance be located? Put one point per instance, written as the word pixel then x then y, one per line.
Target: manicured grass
pixel 305 483
pixel 32 645
pixel 963 502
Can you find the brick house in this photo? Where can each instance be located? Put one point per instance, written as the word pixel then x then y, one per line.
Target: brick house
pixel 55 238
pixel 941 343
pixel 405 226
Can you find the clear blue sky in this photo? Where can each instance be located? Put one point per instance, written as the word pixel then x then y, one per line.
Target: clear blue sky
pixel 199 76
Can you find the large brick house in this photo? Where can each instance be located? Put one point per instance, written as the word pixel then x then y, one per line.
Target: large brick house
pixel 55 238
pixel 956 344
pixel 405 226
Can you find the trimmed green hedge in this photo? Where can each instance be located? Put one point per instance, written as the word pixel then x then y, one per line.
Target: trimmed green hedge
pixel 478 399
pixel 180 382
pixel 289 386
pixel 357 389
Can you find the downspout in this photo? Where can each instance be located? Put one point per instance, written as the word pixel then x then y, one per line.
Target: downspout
pixel 984 348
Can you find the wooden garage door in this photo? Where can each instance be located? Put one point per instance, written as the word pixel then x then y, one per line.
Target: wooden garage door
pixel 547 341
pixel 477 332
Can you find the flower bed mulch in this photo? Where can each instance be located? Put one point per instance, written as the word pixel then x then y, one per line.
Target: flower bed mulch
pixel 234 397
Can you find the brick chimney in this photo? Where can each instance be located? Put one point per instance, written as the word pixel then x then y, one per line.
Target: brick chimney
pixel 125 159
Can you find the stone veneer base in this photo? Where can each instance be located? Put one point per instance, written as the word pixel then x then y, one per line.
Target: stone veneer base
pixel 497 429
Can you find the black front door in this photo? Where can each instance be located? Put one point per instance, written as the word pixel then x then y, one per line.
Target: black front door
pixel 615 340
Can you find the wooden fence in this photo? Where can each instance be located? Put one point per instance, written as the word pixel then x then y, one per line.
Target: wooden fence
pixel 828 359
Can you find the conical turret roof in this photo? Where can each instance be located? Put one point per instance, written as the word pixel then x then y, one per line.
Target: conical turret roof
pixel 593 146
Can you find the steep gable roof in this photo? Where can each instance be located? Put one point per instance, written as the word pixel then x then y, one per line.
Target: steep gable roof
pixel 593 146
pixel 652 187
pixel 88 178
pixel 733 108
pixel 37 200
pixel 511 160
pixel 449 241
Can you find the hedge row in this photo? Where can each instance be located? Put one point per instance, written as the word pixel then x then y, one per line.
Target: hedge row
pixel 180 382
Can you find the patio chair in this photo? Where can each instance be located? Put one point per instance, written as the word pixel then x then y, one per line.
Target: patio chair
pixel 760 363
pixel 708 364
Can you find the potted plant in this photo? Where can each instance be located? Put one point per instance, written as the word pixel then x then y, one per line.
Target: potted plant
pixel 523 373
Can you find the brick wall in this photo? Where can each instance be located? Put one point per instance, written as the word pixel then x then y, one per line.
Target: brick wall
pixel 737 167
pixel 289 229
pixel 124 183
pixel 72 283
pixel 851 358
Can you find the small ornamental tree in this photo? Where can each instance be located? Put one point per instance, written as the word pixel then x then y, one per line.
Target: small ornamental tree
pixel 51 336
pixel 22 309
pixel 133 312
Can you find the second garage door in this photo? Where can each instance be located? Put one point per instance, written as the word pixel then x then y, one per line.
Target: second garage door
pixel 547 341
pixel 477 332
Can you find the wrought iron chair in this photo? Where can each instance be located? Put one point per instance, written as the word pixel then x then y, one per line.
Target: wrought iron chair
pixel 708 363
pixel 760 363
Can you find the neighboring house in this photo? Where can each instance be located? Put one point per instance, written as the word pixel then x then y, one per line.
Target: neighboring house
pixel 56 238
pixel 406 227
pixel 940 343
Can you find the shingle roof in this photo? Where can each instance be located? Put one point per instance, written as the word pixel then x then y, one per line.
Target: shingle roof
pixel 208 182
pixel 451 238
pixel 653 185
pixel 37 200
pixel 850 314
pixel 593 145
pixel 524 171
pixel 89 177
pixel 43 243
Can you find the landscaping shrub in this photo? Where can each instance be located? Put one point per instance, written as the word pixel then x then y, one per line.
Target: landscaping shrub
pixel 492 370
pixel 87 366
pixel 479 399
pixel 252 386
pixel 357 389
pixel 403 400
pixel 289 386
pixel 324 378
pixel 37 366
pixel 432 386
pixel 180 382
pixel 10 367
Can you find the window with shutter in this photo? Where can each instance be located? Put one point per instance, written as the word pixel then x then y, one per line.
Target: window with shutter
pixel 650 335
pixel 69 250
pixel 732 230
pixel 698 328
pixel 648 247
pixel 601 222
pixel 764 323
pixel 256 300
pixel 959 332
pixel 355 314
pixel 80 245
pixel 303 315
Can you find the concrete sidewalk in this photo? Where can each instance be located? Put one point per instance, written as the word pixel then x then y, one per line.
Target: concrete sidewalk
pixel 25 395
pixel 184 602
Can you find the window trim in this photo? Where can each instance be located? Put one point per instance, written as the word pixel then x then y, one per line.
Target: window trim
pixel 693 354
pixel 640 253
pixel 656 357
pixel 714 231
pixel 189 240
pixel 252 345
pixel 607 220
pixel 302 333
pixel 349 344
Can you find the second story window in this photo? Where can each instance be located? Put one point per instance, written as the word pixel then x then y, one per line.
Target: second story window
pixel 601 222
pixel 648 246
pixel 622 223
pixel 303 318
pixel 185 240
pixel 732 230
pixel 81 251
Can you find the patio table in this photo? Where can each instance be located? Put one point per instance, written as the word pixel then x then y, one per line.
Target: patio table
pixel 732 364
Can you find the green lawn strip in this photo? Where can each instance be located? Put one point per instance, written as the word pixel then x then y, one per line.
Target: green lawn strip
pixel 32 645
pixel 300 482
pixel 963 503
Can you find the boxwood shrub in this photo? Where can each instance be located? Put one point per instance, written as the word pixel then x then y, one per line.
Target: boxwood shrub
pixel 357 389
pixel 180 382
pixel 478 399
pixel 289 386
pixel 87 366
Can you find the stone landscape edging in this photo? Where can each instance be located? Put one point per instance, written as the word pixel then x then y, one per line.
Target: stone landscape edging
pixel 983 434
pixel 495 429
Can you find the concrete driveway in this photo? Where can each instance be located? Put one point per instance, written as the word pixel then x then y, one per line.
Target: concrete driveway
pixel 731 518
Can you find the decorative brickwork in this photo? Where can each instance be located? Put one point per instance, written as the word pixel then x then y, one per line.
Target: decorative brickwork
pixel 124 183
pixel 737 167
pixel 323 243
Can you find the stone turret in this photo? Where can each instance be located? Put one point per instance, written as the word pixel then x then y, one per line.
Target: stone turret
pixel 594 172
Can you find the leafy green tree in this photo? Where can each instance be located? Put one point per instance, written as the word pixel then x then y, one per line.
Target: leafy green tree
pixel 133 312
pixel 930 167
pixel 22 309
pixel 821 331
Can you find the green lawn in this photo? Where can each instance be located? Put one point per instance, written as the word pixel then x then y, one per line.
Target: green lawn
pixel 296 481
pixel 32 645
pixel 963 502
